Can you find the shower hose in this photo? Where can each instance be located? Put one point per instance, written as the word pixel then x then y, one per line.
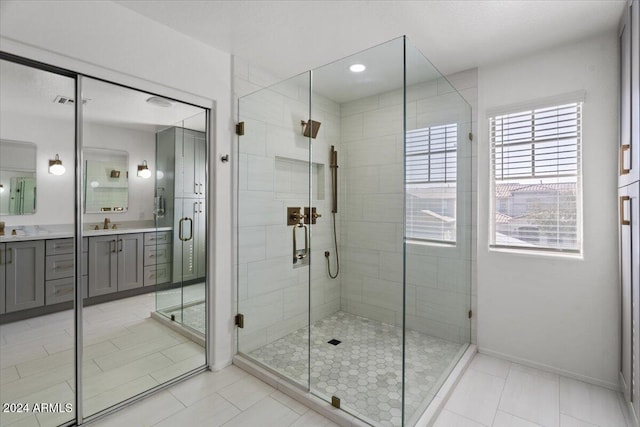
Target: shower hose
pixel 326 254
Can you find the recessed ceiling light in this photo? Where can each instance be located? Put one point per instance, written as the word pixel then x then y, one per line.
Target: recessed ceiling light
pixel 357 68
pixel 159 101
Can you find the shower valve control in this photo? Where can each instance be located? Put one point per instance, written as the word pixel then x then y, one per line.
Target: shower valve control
pixel 310 215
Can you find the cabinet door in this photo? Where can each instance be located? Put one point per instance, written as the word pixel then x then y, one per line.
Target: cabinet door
pixel 634 264
pixel 635 91
pixel 184 246
pixel 24 275
pixel 200 235
pixel 200 163
pixel 630 279
pixel 625 101
pixel 103 265
pixel 186 180
pixel 130 261
pixel 3 251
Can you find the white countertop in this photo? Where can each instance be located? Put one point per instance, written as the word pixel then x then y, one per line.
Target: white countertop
pixel 62 231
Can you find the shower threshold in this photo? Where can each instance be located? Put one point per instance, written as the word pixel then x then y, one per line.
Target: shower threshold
pixel 189 325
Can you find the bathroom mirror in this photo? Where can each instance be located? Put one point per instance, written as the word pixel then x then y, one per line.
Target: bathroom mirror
pixel 17 178
pixel 106 180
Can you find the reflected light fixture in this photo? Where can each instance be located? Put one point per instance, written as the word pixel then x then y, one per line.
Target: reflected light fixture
pixel 159 101
pixel 1 188
pixel 357 68
pixel 55 166
pixel 159 174
pixel 143 170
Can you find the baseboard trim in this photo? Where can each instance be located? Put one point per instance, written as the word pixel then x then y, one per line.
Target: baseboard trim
pixel 574 375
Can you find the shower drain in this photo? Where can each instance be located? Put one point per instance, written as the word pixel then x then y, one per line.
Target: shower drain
pixel 334 342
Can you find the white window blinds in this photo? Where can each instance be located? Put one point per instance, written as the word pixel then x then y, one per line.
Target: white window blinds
pixel 535 159
pixel 431 168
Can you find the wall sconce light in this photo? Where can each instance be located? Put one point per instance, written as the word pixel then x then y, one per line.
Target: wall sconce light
pixel 143 170
pixel 1 188
pixel 55 166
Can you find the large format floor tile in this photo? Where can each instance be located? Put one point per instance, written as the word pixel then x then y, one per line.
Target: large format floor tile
pixel 125 353
pixel 529 398
pixel 531 395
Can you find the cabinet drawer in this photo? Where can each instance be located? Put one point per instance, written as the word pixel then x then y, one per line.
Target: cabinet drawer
pixel 160 237
pixel 64 246
pixel 59 246
pixel 61 290
pixel 155 274
pixel 157 254
pixel 61 266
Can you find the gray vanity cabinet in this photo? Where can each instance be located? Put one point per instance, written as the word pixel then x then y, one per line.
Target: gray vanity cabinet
pixel 24 275
pixel 3 251
pixel 116 263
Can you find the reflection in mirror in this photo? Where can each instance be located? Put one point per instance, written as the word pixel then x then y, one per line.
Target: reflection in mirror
pixel 17 178
pixel 106 180
pixel 37 264
pixel 128 347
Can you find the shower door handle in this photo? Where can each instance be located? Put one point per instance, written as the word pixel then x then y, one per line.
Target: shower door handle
pixel 296 255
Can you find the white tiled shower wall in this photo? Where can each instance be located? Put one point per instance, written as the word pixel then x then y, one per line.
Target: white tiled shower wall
pixel 437 276
pixel 273 161
pixel 272 294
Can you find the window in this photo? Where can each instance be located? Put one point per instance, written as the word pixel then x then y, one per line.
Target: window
pixel 431 168
pixel 536 179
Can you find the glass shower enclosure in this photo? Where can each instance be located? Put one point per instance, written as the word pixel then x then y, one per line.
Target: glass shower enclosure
pixel 354 231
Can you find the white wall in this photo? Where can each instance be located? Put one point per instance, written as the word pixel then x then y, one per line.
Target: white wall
pixel 561 313
pixel 106 40
pixel 54 203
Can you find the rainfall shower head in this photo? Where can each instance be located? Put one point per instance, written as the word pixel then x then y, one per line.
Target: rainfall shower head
pixel 310 128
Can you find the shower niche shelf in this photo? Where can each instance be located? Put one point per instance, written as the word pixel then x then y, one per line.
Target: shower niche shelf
pixel 292 179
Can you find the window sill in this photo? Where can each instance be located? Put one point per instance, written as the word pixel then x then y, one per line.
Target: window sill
pixel 539 253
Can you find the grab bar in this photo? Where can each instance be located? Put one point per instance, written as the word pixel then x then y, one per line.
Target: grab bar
pixel 296 255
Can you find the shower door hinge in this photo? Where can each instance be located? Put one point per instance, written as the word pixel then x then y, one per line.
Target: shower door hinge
pixel 470 314
pixel 335 402
pixel 240 128
pixel 470 136
pixel 239 320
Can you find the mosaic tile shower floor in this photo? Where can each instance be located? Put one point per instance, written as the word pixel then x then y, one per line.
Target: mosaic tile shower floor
pixel 365 369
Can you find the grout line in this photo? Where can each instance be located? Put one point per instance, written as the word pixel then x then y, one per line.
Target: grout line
pixel 504 385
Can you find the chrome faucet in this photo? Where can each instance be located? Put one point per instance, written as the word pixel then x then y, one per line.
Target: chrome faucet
pixel 107 221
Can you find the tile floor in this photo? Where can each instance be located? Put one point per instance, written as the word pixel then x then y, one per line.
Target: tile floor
pixel 125 353
pixel 365 369
pixel 491 393
pixel 229 397
pixel 497 393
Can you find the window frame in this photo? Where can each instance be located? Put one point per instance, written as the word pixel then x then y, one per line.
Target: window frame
pixel 429 153
pixel 548 103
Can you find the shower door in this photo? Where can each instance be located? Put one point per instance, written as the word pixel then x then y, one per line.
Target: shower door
pixel 274 239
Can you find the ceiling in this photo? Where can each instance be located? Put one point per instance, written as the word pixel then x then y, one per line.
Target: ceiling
pixel 289 37
pixel 31 92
